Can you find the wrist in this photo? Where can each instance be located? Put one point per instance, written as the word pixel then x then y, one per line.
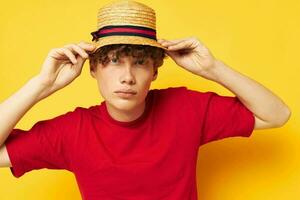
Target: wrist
pixel 40 86
pixel 214 73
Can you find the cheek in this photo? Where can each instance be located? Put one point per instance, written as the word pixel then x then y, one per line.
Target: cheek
pixel 143 80
pixel 105 81
pixel 144 75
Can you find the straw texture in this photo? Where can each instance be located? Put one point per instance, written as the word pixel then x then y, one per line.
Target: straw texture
pixel 126 22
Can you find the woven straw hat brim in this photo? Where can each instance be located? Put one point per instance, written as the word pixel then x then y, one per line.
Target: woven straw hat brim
pixel 126 40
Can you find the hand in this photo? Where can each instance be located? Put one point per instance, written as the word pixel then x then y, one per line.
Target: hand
pixel 64 64
pixel 190 54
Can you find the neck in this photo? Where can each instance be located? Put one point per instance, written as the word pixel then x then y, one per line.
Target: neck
pixel 126 115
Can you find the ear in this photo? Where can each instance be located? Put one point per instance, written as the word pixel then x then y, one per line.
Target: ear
pixel 92 72
pixel 155 74
pixel 93 68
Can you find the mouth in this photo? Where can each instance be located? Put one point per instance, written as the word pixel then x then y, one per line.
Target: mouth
pixel 125 93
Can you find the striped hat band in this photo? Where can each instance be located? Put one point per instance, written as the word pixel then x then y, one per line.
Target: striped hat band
pixel 124 30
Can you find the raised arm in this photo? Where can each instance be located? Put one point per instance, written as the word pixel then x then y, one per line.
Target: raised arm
pixel 61 67
pixel 189 53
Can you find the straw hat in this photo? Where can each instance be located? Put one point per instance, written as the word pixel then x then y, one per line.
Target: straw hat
pixel 125 22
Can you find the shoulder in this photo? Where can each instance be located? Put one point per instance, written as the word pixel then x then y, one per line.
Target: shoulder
pixel 183 91
pixel 76 113
pixel 88 112
pixel 169 91
pixel 180 97
pixel 192 99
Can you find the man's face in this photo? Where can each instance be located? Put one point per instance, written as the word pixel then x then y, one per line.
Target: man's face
pixel 122 74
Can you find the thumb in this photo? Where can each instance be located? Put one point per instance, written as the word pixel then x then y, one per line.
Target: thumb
pixel 80 63
pixel 171 54
pixel 81 60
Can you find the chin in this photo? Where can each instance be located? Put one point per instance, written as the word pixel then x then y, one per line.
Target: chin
pixel 124 104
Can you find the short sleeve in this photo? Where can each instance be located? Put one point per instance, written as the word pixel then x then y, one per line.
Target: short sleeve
pixel 47 144
pixel 221 116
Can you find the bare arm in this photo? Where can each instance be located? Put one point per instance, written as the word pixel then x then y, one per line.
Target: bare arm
pixel 4 159
pixel 270 111
pixel 191 54
pixel 60 68
pixel 14 108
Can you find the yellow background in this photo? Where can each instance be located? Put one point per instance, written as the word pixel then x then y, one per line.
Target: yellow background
pixel 259 38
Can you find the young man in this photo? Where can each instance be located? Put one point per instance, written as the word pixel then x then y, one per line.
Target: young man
pixel 138 143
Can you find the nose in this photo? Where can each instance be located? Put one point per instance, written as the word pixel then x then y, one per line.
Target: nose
pixel 127 75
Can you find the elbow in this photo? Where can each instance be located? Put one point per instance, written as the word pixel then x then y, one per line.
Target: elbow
pixel 285 116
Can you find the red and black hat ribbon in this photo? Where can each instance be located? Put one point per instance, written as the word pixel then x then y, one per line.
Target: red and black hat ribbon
pixel 124 30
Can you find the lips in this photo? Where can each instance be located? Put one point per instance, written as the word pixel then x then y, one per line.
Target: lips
pixel 127 91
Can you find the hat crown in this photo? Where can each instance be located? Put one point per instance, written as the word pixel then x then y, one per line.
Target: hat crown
pixel 126 22
pixel 126 12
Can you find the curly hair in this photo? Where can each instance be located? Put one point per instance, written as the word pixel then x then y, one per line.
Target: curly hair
pixel 101 55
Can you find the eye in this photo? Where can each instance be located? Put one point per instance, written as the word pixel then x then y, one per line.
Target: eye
pixel 140 62
pixel 114 60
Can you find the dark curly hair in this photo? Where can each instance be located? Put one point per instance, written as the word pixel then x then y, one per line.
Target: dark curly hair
pixel 101 55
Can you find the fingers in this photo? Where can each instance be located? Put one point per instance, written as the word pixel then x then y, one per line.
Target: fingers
pixel 169 42
pixel 67 52
pixel 174 44
pixel 180 45
pixel 77 49
pixel 87 46
pixel 82 48
pixel 72 50
pixel 186 43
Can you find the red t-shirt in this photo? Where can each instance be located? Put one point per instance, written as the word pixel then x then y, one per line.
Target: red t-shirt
pixel 152 157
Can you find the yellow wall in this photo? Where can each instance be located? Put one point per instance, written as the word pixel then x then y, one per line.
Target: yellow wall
pixel 259 38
